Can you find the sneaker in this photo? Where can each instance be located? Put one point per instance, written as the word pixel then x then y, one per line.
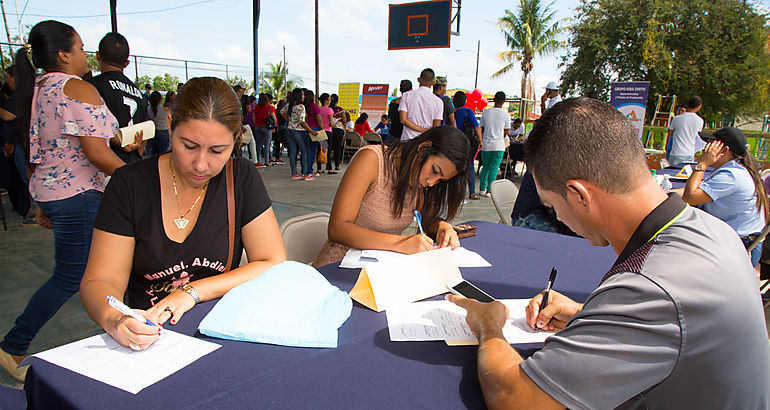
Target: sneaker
pixel 487 194
pixel 308 177
pixel 330 172
pixel 29 221
pixel 465 202
pixel 279 162
pixel 297 177
pixel 9 365
pixel 259 165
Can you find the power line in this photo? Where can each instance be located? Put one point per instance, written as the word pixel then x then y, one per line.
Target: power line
pixel 121 13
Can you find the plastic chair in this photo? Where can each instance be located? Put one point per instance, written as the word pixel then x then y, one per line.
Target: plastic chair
pixel 305 235
pixel 504 193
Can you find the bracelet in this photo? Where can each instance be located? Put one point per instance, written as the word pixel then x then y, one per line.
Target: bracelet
pixel 191 291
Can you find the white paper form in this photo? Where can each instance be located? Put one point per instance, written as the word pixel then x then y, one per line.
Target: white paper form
pixel 357 258
pixel 443 320
pixel 101 358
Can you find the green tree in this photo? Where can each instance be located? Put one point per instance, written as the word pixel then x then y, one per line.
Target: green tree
pixel 274 80
pixel 235 80
pixel 714 49
pixel 167 82
pixel 530 33
pixel 142 80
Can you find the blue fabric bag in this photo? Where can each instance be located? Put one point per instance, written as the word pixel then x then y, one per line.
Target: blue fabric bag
pixel 290 304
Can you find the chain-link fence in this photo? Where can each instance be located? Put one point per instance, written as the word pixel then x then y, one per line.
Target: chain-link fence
pixel 147 68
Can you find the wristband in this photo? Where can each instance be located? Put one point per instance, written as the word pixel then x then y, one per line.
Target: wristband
pixel 191 291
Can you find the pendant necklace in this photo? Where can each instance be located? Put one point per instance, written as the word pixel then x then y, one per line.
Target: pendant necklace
pixel 182 222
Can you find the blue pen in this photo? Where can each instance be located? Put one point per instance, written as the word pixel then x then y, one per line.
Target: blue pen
pixel 122 308
pixel 418 218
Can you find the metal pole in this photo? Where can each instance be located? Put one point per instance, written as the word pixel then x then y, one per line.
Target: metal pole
pixel 285 86
pixel 136 68
pixel 227 75
pixel 317 79
pixel 476 80
pixel 256 44
pixel 186 76
pixel 114 15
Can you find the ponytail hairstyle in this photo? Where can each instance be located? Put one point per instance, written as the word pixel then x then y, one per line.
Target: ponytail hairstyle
pixel 207 99
pixel 334 100
pixel 405 161
pixel 45 41
pixel 155 99
pixel 750 163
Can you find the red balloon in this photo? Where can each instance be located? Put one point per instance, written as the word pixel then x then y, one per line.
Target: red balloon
pixel 481 104
pixel 475 95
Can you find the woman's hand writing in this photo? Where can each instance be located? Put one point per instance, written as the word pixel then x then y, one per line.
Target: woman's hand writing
pixel 128 329
pixel 414 244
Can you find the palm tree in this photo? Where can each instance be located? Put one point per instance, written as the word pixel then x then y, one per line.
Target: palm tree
pixel 274 80
pixel 528 34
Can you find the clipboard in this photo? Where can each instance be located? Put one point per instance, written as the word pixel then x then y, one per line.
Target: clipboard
pixel 320 137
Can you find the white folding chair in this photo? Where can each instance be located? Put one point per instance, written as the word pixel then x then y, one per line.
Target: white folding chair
pixel 305 235
pixel 504 193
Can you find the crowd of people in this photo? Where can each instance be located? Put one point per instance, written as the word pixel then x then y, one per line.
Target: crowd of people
pixel 679 303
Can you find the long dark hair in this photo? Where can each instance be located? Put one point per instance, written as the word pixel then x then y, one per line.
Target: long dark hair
pixel 405 160
pixel 46 39
pixel 334 100
pixel 155 99
pixel 207 99
pixel 262 101
pixel 362 118
pixel 295 98
pixel 750 163
pixel 309 99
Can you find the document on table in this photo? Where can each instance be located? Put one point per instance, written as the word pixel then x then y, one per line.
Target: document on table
pixel 357 258
pixel 101 358
pixel 443 320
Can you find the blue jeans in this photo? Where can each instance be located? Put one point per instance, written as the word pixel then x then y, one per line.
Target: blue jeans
pixel 295 140
pixel 756 253
pixel 73 225
pixel 21 163
pixel 262 137
pixel 471 179
pixel 678 160
pixel 312 148
pixel 536 221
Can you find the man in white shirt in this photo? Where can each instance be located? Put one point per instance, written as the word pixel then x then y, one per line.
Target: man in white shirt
pixel 495 126
pixel 683 133
pixel 550 98
pixel 419 109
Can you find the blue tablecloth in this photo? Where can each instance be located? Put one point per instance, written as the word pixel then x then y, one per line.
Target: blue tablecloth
pixel 679 182
pixel 367 370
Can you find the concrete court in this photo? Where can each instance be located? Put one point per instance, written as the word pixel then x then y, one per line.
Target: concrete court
pixel 26 255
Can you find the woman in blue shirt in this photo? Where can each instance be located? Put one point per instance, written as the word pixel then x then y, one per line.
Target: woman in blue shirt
pixel 734 192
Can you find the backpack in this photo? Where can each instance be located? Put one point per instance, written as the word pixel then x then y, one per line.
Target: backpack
pixel 469 130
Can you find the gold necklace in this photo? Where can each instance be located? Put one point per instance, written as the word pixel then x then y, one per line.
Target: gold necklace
pixel 182 222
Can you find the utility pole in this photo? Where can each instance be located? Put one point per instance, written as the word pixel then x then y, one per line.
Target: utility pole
pixel 317 81
pixel 476 80
pixel 256 45
pixel 285 85
pixel 114 15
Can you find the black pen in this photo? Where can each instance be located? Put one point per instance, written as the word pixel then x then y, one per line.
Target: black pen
pixel 551 279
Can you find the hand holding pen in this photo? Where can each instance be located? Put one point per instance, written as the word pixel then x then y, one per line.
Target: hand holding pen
pixel 550 310
pixel 138 334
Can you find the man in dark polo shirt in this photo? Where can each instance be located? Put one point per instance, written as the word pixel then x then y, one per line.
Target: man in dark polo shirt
pixel 677 321
pixel 123 98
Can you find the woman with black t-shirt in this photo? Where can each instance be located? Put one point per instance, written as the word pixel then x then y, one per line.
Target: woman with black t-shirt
pixel 161 234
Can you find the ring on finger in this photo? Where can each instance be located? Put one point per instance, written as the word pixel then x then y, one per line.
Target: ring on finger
pixel 134 346
pixel 170 312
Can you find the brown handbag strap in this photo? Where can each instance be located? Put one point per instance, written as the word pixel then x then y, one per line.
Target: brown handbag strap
pixel 230 213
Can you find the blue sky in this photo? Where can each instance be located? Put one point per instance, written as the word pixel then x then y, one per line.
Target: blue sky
pixel 353 38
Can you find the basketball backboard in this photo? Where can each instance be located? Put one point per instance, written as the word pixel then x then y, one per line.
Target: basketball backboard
pixel 419 25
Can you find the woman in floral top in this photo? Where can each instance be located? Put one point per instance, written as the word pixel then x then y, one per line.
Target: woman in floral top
pixel 296 134
pixel 68 127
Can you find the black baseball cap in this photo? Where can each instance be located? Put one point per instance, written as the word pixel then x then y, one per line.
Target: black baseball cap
pixel 732 137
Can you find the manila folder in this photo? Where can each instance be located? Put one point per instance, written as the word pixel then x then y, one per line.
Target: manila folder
pixel 403 280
